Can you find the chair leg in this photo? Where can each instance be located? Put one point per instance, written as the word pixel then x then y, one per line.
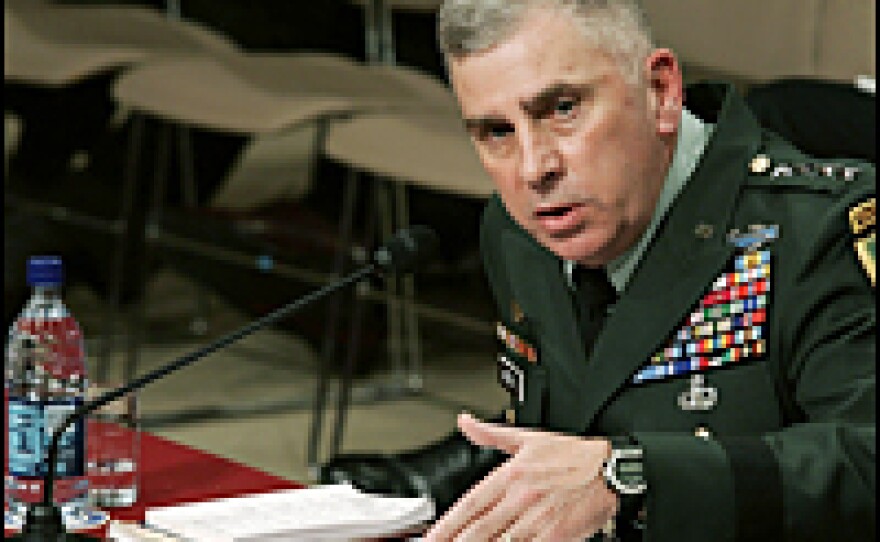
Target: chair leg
pixel 190 197
pixel 410 321
pixel 384 204
pixel 125 228
pixel 331 326
pixel 343 399
pixel 138 318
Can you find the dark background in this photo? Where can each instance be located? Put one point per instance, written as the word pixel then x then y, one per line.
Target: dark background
pixel 60 122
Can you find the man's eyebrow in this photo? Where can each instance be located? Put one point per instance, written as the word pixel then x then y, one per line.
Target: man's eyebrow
pixel 546 98
pixel 483 123
pixel 537 104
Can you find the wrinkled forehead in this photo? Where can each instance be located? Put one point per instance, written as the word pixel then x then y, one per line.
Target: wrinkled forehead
pixel 546 50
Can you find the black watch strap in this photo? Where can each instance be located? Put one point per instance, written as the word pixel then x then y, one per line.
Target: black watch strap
pixel 630 514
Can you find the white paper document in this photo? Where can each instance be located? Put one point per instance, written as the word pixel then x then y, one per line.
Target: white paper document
pixel 320 513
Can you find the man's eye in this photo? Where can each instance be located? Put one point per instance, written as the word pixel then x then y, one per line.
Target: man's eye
pixel 494 133
pixel 565 107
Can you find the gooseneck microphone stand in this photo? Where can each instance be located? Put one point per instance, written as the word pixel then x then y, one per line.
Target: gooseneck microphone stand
pixel 44 523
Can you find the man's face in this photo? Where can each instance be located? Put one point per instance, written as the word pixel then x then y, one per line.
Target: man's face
pixel 577 153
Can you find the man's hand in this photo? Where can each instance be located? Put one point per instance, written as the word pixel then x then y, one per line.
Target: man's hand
pixel 551 488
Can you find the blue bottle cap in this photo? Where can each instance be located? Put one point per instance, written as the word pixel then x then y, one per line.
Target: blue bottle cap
pixel 44 271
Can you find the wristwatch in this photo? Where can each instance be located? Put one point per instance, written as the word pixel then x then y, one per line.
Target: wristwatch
pixel 624 473
pixel 624 470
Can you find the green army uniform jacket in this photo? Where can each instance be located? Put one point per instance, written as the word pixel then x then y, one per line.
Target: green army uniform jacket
pixel 787 452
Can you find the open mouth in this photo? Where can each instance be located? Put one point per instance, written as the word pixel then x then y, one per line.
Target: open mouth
pixel 558 218
pixel 554 212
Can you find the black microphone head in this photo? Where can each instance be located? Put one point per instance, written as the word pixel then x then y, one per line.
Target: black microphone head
pixel 406 249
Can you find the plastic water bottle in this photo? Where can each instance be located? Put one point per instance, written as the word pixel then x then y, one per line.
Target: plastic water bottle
pixel 45 380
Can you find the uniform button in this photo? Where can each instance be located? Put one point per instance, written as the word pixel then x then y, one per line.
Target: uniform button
pixel 704 231
pixel 703 432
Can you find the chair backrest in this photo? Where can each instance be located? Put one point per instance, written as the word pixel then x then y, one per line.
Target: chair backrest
pixel 825 119
pixel 759 40
pixel 58 45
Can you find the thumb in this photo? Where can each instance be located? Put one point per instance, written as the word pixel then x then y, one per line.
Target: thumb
pixel 506 439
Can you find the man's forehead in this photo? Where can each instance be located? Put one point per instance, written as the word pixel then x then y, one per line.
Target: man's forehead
pixel 546 50
pixel 496 90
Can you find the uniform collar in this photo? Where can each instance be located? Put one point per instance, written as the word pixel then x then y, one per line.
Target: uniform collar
pixel 693 136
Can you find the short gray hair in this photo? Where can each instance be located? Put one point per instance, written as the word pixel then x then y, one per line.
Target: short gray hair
pixel 617 27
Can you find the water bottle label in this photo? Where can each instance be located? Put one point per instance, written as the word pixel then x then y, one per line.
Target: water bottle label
pixel 25 437
pixel 31 425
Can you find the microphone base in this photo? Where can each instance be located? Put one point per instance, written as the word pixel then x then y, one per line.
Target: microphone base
pixel 44 524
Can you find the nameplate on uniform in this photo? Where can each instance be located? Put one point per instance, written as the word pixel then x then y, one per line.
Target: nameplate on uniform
pixel 727 325
pixel 512 378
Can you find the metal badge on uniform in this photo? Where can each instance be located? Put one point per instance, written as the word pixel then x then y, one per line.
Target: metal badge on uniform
pixel 727 326
pixel 753 238
pixel 512 378
pixel 863 223
pixel 699 396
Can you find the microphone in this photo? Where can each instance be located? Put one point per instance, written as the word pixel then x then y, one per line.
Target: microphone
pixel 402 253
pixel 406 249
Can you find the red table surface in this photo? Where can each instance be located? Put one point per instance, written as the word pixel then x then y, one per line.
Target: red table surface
pixel 172 473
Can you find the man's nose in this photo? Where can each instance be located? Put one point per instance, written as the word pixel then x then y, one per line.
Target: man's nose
pixel 540 161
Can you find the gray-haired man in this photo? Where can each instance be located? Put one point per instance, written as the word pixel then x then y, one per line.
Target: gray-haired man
pixel 687 318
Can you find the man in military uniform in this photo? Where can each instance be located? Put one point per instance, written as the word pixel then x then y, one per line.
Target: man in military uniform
pixel 687 317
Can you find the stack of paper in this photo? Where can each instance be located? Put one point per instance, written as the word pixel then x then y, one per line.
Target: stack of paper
pixel 321 513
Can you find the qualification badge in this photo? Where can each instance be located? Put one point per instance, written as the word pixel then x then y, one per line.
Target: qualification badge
pixel 726 327
pixel 511 375
pixel 699 396
pixel 863 223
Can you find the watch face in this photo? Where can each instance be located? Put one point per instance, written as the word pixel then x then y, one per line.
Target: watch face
pixel 626 472
pixel 629 472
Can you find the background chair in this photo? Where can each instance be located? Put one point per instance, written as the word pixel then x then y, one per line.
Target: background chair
pixel 757 41
pixel 428 151
pixel 58 66
pixel 826 119
pixel 270 97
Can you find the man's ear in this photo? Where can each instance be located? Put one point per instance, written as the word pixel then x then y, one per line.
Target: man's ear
pixel 665 90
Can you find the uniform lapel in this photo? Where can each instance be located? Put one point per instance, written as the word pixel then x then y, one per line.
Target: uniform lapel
pixel 538 286
pixel 680 266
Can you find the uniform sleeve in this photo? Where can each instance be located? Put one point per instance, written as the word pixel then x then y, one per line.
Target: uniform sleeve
pixel 815 478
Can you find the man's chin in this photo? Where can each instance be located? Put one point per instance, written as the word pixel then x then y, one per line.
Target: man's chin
pixel 575 248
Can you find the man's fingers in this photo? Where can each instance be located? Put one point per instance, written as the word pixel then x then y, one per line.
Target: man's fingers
pixel 528 525
pixel 471 505
pixel 500 516
pixel 506 439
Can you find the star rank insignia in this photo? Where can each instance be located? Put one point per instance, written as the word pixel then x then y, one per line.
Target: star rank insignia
pixel 761 164
pixel 863 223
